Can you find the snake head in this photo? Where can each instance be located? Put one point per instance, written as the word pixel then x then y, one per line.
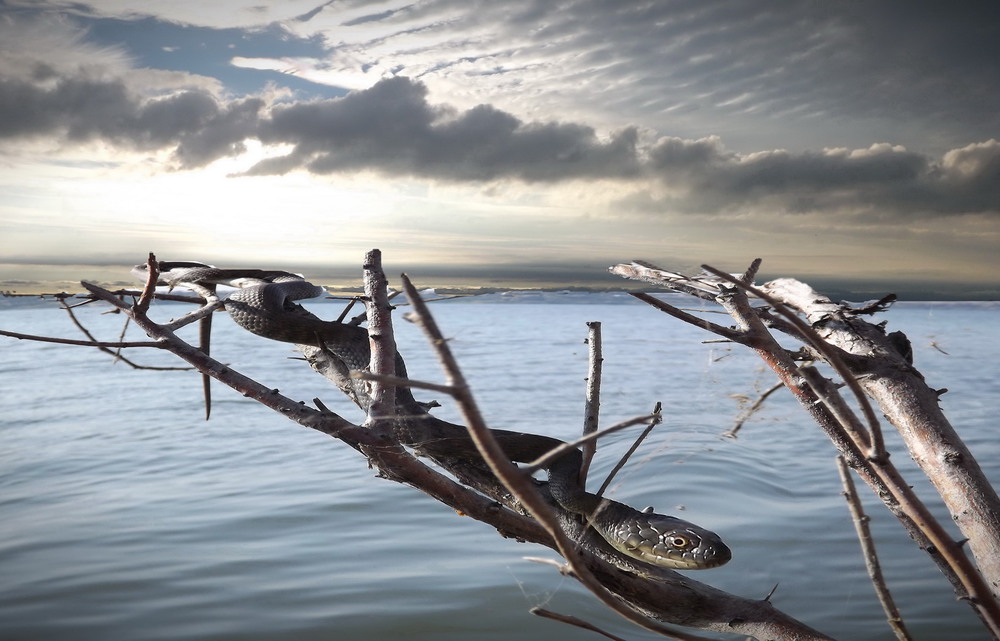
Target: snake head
pixel 668 542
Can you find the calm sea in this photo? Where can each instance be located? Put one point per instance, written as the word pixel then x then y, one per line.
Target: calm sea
pixel 126 516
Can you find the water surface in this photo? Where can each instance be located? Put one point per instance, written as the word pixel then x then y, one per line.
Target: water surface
pixel 127 516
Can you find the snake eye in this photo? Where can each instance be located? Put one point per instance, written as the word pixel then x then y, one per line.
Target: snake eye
pixel 679 541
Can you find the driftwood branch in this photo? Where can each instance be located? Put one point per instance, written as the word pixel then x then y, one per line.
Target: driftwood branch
pixel 646 594
pixel 870 367
pixel 382 341
pixel 913 408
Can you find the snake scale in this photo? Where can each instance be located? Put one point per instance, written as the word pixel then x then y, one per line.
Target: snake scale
pixel 264 305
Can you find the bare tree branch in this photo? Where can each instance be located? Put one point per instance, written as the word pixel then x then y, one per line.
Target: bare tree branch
pixel 628 586
pixel 913 409
pixel 81 343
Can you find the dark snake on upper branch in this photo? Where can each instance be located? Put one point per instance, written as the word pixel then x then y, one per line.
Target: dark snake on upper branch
pixel 264 306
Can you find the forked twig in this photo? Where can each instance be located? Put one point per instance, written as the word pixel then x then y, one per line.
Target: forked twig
pixel 654 419
pixel 113 348
pixel 592 437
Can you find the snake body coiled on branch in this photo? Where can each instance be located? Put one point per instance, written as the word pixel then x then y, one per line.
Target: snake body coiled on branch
pixel 265 306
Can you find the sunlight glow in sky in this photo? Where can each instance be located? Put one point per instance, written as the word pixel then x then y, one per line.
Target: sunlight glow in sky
pixel 484 143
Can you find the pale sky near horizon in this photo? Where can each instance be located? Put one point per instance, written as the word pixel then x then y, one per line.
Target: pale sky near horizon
pixel 495 141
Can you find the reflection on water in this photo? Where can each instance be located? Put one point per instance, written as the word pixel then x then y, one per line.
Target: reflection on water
pixel 126 516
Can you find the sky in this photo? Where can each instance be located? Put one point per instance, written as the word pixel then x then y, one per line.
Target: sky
pixel 854 145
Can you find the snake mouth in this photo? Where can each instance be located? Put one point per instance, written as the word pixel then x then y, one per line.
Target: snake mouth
pixel 712 557
pixel 716 555
pixel 700 559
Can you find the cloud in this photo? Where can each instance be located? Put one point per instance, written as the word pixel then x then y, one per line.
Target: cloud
pixel 391 128
pixel 882 179
pixel 784 73
pixel 192 122
pixel 394 129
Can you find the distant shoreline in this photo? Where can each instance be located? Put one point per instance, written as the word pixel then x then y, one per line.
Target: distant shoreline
pixel 837 292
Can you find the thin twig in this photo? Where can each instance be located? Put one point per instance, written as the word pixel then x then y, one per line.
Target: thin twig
pixel 347 308
pixel 654 419
pixel 559 565
pixel 752 409
pixel 204 311
pixel 868 550
pixel 726 332
pixel 572 620
pixel 91 343
pixel 399 381
pixel 556 452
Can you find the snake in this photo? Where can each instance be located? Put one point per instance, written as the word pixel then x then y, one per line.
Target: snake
pixel 264 304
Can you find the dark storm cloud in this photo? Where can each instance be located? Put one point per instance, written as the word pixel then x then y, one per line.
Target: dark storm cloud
pixel 194 123
pixel 393 129
pixel 883 178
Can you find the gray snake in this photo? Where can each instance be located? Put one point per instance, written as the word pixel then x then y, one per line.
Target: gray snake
pixel 265 306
